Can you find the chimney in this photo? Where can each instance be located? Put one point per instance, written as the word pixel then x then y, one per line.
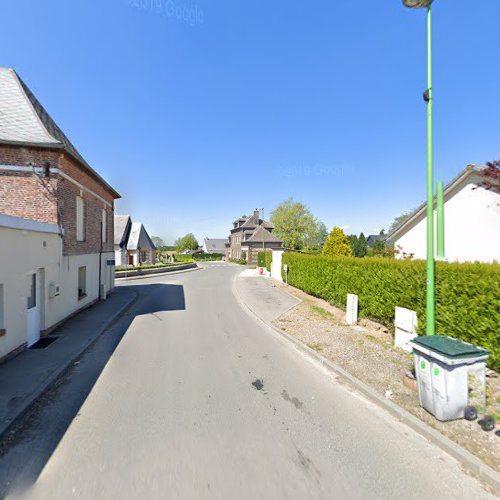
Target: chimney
pixel 256 217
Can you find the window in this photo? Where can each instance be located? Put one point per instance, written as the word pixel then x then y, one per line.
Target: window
pixel 31 291
pixel 104 225
pixel 80 219
pixel 82 282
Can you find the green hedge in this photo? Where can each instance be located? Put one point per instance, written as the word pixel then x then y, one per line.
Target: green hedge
pixel 241 262
pixel 147 266
pixel 264 259
pixel 207 256
pixel 468 295
pixel 178 257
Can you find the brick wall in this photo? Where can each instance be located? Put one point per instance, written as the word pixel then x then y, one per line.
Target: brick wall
pixel 53 200
pixel 22 194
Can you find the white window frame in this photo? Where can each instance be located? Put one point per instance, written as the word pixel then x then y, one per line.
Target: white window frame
pixel 80 219
pixel 104 226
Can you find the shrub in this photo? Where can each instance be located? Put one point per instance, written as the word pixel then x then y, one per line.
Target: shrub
pixel 178 257
pixel 207 256
pixel 241 262
pixel 264 259
pixel 337 244
pixel 468 295
pixel 141 268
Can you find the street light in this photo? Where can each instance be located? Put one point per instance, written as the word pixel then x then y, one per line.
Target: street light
pixel 417 4
pixel 431 293
pixel 263 243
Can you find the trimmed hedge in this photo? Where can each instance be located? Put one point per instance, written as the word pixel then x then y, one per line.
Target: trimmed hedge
pixel 240 262
pixel 265 259
pixel 468 295
pixel 207 256
pixel 178 257
pixel 139 268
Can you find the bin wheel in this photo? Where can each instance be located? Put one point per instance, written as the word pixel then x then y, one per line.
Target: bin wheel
pixel 470 413
pixel 487 423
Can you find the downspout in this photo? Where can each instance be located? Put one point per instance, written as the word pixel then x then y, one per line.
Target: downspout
pixel 100 265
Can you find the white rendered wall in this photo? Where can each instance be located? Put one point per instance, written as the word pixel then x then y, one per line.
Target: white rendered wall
pixel 25 252
pixel 472 227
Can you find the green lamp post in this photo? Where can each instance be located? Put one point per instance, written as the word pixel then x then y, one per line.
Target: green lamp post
pixel 431 299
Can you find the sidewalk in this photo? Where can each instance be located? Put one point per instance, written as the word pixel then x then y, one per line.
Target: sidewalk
pixel 24 378
pixel 262 297
pixel 367 361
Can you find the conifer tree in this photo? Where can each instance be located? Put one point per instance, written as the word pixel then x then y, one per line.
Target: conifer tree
pixel 337 244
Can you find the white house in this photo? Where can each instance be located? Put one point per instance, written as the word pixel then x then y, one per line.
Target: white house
pixel 472 222
pixel 56 230
pixel 214 245
pixel 133 246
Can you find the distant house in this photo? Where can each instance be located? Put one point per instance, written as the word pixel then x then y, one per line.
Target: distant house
pixel 373 238
pixel 472 222
pixel 133 246
pixel 249 236
pixel 214 245
pixel 56 222
pixel 198 251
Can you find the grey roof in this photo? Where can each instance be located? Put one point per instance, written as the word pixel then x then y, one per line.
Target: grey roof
pixel 24 121
pixel 370 241
pixel 122 225
pixel 139 238
pixel 215 244
pixel 420 211
pixel 262 234
pixel 250 222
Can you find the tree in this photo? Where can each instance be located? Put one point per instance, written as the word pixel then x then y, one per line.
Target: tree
pixel 491 174
pixel 297 227
pixel 362 246
pixel 158 242
pixel 353 243
pixel 337 244
pixel 315 238
pixel 358 245
pixel 187 242
pixel 380 249
pixel 400 219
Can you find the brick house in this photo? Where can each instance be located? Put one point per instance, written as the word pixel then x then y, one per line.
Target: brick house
pixel 249 236
pixel 56 222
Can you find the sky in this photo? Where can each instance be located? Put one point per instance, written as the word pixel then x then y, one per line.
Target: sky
pixel 200 111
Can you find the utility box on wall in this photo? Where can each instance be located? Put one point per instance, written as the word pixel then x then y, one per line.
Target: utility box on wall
pixel 54 290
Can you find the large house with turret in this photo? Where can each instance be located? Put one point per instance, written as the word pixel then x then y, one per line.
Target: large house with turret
pixel 249 236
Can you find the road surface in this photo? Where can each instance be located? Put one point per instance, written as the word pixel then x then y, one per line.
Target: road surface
pixel 200 400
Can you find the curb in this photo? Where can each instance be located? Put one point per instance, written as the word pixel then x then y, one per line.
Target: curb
pixel 474 465
pixel 155 272
pixel 145 276
pixel 55 376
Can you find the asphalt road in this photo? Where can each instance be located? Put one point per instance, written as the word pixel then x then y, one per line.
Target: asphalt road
pixel 189 397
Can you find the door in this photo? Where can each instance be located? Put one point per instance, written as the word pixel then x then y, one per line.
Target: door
pixel 130 260
pixel 33 306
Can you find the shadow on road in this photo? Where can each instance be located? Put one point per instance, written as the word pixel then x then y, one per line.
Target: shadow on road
pixel 29 445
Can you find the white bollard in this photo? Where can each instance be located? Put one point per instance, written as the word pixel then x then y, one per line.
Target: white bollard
pixel 405 328
pixel 351 314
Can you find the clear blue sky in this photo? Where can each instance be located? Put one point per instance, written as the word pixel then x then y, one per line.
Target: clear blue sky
pixel 247 103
